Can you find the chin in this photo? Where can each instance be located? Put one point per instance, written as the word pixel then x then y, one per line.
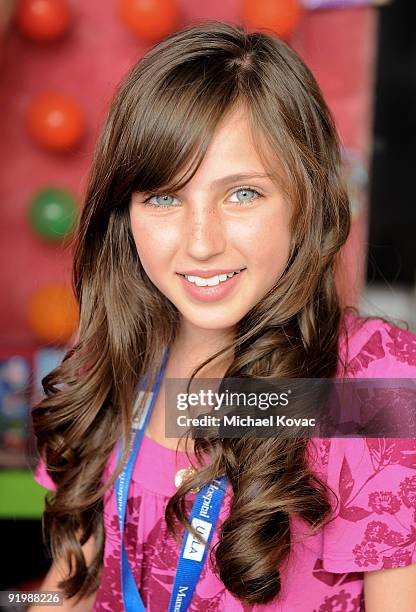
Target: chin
pixel 214 322
pixel 217 325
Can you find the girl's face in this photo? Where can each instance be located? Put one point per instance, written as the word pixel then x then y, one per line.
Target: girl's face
pixel 231 216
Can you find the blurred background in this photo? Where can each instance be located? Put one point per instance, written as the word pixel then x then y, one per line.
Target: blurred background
pixel 60 61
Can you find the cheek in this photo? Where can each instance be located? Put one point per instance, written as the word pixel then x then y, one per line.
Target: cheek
pixel 265 243
pixel 152 239
pixel 141 240
pixel 144 241
pixel 155 246
pixel 276 247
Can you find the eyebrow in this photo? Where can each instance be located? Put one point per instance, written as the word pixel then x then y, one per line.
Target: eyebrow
pixel 239 177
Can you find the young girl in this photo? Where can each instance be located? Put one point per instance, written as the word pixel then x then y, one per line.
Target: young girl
pixel 207 246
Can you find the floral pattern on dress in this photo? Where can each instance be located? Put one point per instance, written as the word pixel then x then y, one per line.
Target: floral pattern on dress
pixel 402 345
pixel 342 602
pixel 381 544
pixel 371 351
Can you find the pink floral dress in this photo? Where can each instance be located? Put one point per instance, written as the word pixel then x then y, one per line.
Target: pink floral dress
pixel 374 528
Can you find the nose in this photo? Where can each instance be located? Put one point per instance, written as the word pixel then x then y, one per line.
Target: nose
pixel 205 233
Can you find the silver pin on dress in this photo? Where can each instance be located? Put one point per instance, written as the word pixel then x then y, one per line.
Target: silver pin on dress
pixel 182 475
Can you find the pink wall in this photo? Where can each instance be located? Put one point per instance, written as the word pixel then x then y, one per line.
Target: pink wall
pixel 338 45
pixel 340 48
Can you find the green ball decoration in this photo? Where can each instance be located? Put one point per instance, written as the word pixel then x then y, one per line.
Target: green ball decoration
pixel 53 213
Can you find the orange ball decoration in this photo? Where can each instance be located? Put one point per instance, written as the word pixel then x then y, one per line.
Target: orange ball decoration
pixel 53 314
pixel 281 16
pixel 149 19
pixel 43 20
pixel 55 121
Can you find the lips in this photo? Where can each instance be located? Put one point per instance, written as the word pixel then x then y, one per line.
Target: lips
pixel 209 273
pixel 214 292
pixel 212 281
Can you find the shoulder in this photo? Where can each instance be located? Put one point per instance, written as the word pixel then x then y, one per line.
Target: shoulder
pixel 374 347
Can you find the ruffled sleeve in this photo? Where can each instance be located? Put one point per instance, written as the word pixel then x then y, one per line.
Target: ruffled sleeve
pixel 42 477
pixel 374 478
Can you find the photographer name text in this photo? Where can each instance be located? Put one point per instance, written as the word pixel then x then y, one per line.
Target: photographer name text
pixel 273 420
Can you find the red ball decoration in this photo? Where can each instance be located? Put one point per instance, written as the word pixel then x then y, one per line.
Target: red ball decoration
pixel 53 314
pixel 150 20
pixel 55 121
pixel 281 16
pixel 43 20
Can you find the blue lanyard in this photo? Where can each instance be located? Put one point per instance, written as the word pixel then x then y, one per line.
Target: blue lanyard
pixel 204 517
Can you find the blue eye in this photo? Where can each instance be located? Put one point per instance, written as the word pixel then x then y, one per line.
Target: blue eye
pixel 167 199
pixel 163 197
pixel 246 191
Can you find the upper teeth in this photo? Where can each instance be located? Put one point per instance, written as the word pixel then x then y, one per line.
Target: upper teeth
pixel 212 280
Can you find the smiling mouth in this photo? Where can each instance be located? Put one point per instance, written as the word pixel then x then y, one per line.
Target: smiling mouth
pixel 212 281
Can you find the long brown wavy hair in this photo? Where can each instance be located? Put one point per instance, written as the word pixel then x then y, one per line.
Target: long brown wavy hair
pixel 159 126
